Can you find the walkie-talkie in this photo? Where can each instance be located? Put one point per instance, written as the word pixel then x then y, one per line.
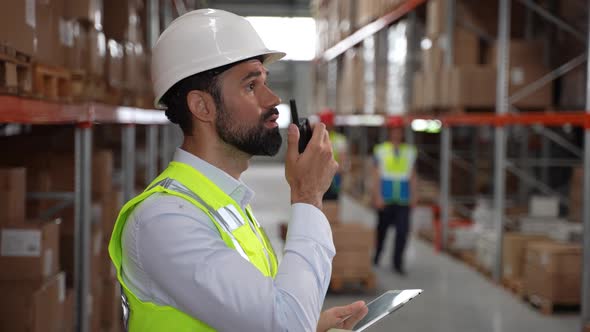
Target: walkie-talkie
pixel 303 125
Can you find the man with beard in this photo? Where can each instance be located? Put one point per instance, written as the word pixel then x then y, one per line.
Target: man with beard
pixel 189 253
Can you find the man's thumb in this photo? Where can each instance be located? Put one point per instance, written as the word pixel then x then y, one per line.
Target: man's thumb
pixel 292 142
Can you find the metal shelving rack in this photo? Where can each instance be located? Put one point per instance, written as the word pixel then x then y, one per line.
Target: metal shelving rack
pixel 505 115
pixel 17 110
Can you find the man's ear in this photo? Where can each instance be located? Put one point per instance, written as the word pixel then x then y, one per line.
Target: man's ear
pixel 201 105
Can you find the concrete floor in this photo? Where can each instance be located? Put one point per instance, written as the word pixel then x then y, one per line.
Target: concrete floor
pixel 455 297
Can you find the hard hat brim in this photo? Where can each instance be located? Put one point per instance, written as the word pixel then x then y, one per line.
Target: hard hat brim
pixel 269 57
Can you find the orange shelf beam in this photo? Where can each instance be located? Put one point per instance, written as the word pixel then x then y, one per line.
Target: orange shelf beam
pixel 530 118
pixel 370 29
pixel 15 109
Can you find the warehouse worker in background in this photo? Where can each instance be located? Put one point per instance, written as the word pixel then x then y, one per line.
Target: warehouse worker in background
pixel 394 190
pixel 340 151
pixel 189 253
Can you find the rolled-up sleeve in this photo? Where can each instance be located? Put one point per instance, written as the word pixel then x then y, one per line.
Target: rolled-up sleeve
pixel 187 259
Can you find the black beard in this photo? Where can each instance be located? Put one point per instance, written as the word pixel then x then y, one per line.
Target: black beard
pixel 255 141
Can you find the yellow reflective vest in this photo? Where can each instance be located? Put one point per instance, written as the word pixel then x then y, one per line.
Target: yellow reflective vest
pixel 237 227
pixel 395 167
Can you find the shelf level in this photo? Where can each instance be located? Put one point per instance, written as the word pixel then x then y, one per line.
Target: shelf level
pixel 370 29
pixel 15 109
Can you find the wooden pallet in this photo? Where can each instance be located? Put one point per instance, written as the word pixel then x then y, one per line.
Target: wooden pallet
pixel 365 283
pixel 52 83
pixel 90 88
pixel 548 307
pixel 15 72
pixel 514 285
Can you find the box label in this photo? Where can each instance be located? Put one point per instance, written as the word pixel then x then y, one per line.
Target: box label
pixel 20 243
pixel 517 76
pixel 30 13
pixel 47 262
pixel 62 288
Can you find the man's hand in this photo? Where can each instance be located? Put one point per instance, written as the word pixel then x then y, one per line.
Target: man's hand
pixel 336 317
pixel 310 173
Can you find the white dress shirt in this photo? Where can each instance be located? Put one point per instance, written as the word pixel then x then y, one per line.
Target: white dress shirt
pixel 173 255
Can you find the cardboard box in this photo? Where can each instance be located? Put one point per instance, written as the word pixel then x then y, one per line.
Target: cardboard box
pixel 68 312
pixel 418 91
pixel 352 263
pixel 544 206
pixel 95 308
pixel 576 194
pixel 522 53
pixel 18 25
pixel 111 304
pixel 32 306
pixel 351 83
pixel 88 53
pixel 91 10
pixel 110 205
pixel 475 86
pixel 555 287
pixel 554 257
pixel 115 63
pixel 331 210
pixel 96 264
pixel 514 253
pixel 351 236
pixel 50 48
pixel 432 89
pixel 469 86
pixel 465 50
pixel 29 252
pixel 12 196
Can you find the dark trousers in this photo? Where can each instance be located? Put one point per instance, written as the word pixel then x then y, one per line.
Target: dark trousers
pixel 399 217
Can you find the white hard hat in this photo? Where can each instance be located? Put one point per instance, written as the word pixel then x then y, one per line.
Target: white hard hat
pixel 201 40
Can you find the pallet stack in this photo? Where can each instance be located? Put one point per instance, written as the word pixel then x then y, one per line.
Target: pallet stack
pixel 57 50
pixel 552 275
pixel 54 173
pixel 354 242
pixel 470 83
pixel 31 281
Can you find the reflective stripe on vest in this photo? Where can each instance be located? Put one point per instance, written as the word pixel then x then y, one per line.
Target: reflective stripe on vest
pixel 228 218
pixel 221 215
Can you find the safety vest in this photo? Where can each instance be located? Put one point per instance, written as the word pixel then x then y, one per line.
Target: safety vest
pixel 338 142
pixel 395 169
pixel 238 229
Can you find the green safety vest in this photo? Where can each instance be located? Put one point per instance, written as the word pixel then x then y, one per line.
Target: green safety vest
pixel 395 171
pixel 337 141
pixel 238 229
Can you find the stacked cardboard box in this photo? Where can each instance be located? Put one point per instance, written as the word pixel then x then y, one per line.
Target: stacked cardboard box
pixel 353 243
pixel 47 173
pixel 31 285
pixel 576 194
pixel 553 272
pixel 465 49
pixel 351 88
pixel 514 253
pixel 331 210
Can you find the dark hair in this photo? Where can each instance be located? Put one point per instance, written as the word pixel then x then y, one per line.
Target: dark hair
pixel 177 109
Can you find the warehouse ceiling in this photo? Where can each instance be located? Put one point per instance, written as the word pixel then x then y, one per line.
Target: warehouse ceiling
pixel 264 7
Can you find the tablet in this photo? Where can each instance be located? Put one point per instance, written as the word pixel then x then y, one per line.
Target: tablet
pixel 385 304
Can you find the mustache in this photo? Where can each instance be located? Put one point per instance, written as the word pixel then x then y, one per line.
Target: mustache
pixel 270 113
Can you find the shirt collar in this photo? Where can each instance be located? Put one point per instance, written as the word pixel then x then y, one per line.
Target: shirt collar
pixel 236 189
